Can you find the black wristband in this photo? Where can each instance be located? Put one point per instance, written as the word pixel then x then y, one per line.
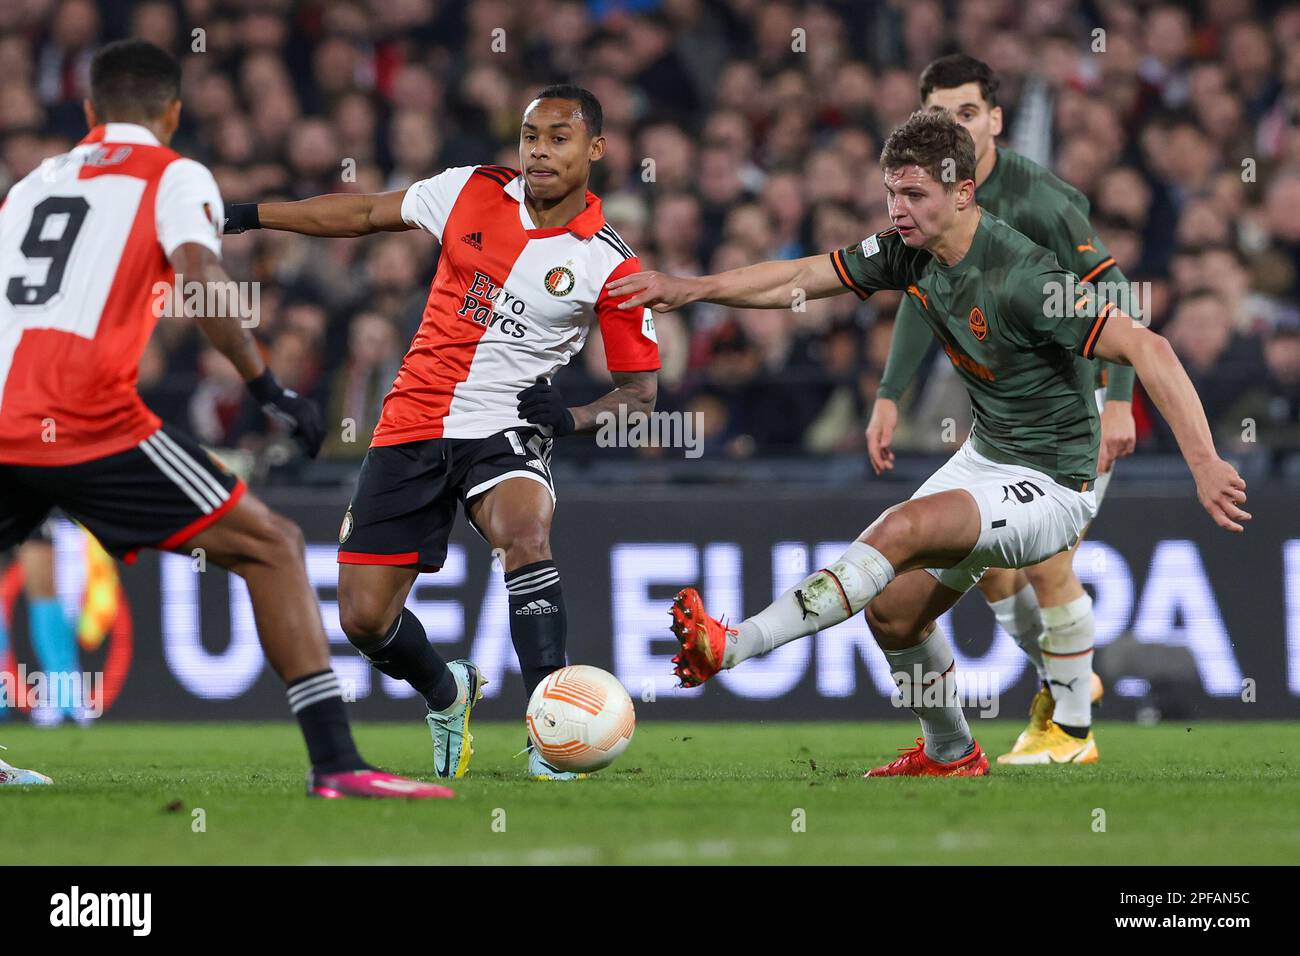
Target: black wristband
pixel 265 389
pixel 242 216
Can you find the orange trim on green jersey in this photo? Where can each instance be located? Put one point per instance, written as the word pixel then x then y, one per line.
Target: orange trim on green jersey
pixel 1099 269
pixel 842 273
pixel 1090 342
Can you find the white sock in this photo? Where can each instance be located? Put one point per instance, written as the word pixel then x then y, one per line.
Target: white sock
pixel 821 600
pixel 1068 633
pixel 1019 617
pixel 926 676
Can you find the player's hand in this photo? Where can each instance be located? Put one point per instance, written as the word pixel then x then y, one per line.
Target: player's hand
pixel 1220 490
pixel 1118 434
pixel 240 217
pixel 656 290
pixel 880 434
pixel 285 405
pixel 542 404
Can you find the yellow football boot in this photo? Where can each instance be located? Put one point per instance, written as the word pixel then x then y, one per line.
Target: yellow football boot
pixel 1040 715
pixel 1051 745
pixel 1043 706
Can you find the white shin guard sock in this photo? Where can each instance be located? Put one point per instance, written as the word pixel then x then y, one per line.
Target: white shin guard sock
pixel 821 600
pixel 926 677
pixel 1068 633
pixel 1019 617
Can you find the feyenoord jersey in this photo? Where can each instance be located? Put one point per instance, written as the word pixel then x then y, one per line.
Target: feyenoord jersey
pixel 84 240
pixel 509 305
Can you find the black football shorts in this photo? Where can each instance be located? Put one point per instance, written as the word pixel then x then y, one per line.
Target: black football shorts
pixel 157 494
pixel 404 507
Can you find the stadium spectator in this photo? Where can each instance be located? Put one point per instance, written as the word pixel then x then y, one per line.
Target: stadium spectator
pixel 736 131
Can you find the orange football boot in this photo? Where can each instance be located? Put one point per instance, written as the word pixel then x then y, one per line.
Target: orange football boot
pixel 703 639
pixel 915 763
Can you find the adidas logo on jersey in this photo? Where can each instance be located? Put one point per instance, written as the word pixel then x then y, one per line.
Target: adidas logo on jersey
pixel 540 606
pixel 475 239
pixel 534 463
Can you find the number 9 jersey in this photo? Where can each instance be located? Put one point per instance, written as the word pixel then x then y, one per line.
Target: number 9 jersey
pixel 84 277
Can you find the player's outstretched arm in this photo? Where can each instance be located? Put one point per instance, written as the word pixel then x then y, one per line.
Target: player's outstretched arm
pixel 1218 486
pixel 225 330
pixel 775 284
pixel 335 214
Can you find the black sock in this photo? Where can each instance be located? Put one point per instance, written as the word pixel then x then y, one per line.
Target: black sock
pixel 317 701
pixel 1080 732
pixel 537 621
pixel 406 654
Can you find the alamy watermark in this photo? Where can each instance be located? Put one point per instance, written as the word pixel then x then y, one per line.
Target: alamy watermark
pixel 919 688
pixel 82 691
pixel 133 911
pixel 229 299
pixel 1072 297
pixel 637 429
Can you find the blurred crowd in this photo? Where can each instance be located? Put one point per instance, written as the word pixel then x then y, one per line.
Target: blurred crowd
pixel 737 130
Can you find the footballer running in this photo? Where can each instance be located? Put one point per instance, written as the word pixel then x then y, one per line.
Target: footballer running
pixel 526 255
pixel 1022 487
pixel 84 240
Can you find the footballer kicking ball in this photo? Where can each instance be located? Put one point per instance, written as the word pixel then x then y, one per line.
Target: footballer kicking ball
pixel 580 718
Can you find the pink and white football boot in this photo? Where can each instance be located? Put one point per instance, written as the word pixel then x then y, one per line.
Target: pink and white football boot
pixel 372 783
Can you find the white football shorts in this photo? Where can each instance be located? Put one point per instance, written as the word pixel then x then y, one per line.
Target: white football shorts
pixel 1103 481
pixel 1025 516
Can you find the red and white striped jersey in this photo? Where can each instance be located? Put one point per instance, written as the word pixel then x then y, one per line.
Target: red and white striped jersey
pixel 509 305
pixel 84 240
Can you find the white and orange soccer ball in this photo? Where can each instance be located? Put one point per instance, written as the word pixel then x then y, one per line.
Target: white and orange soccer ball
pixel 580 718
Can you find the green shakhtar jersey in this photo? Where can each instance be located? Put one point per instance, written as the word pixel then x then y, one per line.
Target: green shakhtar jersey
pixel 1053 214
pixel 1020 335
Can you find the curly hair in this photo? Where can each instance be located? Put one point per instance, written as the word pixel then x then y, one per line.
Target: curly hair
pixel 937 143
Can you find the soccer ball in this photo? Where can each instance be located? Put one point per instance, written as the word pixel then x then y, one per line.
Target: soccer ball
pixel 580 718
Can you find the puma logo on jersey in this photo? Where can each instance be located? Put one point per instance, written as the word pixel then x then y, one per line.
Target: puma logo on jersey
pixel 1086 247
pixel 474 239
pixel 925 300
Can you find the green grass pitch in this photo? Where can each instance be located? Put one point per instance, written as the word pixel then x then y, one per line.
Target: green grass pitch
pixel 704 793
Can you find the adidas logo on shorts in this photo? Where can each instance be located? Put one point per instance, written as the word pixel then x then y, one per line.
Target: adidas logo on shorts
pixel 540 606
pixel 534 463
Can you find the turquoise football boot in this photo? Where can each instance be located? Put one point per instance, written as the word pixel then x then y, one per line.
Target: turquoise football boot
pixel 10 774
pixel 453 744
pixel 539 769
